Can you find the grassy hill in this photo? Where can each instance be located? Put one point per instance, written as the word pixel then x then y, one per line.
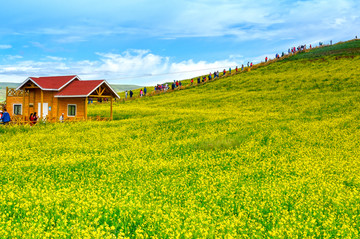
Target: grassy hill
pixel 268 153
pixel 350 48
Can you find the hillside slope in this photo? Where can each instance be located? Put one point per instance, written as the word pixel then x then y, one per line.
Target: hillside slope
pixel 268 153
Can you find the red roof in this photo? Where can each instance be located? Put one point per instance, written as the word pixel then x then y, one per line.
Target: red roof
pixel 68 86
pixel 52 82
pixel 80 88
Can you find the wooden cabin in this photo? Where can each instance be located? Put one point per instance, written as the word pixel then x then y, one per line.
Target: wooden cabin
pixel 51 96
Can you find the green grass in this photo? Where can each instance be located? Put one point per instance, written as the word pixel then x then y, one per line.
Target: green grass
pixel 342 49
pixel 272 153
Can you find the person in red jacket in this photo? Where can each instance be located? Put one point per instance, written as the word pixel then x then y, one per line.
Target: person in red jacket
pixel 33 118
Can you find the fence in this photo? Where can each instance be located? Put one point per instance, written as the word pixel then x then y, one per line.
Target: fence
pixel 22 120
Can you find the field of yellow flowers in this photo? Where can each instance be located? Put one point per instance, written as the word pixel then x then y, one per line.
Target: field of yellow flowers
pixel 271 153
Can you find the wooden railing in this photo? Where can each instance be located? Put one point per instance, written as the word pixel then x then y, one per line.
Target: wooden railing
pixel 22 120
pixel 16 93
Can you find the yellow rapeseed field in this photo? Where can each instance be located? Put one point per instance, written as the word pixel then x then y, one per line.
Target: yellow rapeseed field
pixel 271 153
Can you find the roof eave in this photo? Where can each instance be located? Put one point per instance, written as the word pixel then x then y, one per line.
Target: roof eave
pixel 45 89
pixel 104 81
pixel 29 78
pixel 69 96
pixel 117 96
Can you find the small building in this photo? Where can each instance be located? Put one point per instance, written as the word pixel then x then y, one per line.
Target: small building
pixel 53 95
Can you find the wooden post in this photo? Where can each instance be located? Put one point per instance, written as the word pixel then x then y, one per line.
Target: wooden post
pixel 34 100
pixel 111 108
pixel 57 109
pixel 85 110
pixel 7 92
pixel 52 105
pixel 23 106
pixel 42 103
pixel 29 104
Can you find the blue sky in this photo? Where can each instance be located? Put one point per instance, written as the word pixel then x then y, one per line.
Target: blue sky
pixel 147 42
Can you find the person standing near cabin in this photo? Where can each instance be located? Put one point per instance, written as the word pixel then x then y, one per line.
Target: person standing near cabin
pixel 31 119
pixel 61 119
pixel 34 119
pixel 5 118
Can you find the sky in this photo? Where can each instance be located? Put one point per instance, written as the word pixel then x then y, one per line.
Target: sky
pixel 147 42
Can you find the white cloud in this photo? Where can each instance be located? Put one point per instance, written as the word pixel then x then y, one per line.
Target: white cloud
pixel 133 66
pixel 12 57
pixel 55 58
pixel 71 39
pixel 3 47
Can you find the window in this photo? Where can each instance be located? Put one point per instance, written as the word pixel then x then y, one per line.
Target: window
pixel 71 110
pixel 17 109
